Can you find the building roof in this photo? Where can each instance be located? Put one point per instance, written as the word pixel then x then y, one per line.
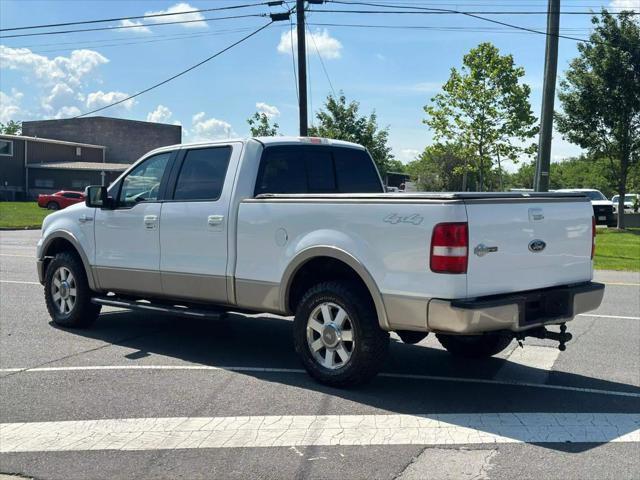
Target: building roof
pixel 99 118
pixel 94 166
pixel 50 140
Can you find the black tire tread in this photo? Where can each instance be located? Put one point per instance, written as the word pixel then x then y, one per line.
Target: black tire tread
pixel 84 313
pixel 373 342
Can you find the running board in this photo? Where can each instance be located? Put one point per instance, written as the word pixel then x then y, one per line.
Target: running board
pixel 203 313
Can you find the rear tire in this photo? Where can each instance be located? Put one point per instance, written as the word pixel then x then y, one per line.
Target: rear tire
pixel 337 335
pixel 67 293
pixel 53 206
pixel 474 346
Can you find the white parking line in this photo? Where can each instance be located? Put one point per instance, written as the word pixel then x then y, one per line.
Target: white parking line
pixel 408 376
pixel 530 364
pixel 308 430
pixel 20 282
pixel 607 316
pixel 14 255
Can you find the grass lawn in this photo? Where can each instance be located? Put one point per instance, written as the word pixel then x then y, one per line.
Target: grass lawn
pixel 21 215
pixel 618 250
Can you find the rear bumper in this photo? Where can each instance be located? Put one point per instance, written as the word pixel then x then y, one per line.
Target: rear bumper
pixel 516 312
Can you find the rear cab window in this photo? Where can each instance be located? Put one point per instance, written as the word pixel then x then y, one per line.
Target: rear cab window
pixel 202 173
pixel 316 169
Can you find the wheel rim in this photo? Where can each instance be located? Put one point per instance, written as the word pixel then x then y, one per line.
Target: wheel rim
pixel 330 336
pixel 64 290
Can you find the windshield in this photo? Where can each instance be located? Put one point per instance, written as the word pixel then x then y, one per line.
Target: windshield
pixel 594 195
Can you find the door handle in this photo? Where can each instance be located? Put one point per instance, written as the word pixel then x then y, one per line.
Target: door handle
pixel 214 220
pixel 84 219
pixel 150 221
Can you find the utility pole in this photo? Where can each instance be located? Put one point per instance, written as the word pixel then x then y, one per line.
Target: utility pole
pixel 302 68
pixel 548 97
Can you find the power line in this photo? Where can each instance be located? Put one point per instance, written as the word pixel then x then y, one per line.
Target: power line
pixel 324 68
pixel 154 15
pixel 193 67
pixel 293 54
pixel 120 27
pixel 421 10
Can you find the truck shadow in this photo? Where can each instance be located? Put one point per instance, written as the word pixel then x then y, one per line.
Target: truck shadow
pixel 241 344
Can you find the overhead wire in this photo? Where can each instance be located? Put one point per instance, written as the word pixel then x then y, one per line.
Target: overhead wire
pixel 121 27
pixel 183 72
pixel 422 10
pixel 137 17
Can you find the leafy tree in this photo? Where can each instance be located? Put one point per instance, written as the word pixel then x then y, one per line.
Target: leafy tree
pixel 396 166
pixel 440 167
pixel 484 108
pixel 342 121
pixel 260 125
pixel 600 96
pixel 11 128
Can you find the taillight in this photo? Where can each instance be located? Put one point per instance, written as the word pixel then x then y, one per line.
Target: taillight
pixel 593 236
pixel 449 248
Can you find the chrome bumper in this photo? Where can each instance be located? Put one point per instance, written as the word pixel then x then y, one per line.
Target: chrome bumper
pixel 515 312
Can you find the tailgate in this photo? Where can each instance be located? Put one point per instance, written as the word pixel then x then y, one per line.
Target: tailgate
pixel 540 243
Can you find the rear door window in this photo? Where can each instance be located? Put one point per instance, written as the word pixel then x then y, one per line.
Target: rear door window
pixel 202 174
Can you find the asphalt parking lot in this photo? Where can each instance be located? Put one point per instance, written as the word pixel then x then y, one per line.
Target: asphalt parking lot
pixel 154 396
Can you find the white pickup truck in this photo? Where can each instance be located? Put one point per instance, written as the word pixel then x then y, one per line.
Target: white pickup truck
pixel 302 226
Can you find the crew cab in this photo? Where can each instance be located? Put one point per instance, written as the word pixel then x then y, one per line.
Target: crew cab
pixel 60 200
pixel 303 227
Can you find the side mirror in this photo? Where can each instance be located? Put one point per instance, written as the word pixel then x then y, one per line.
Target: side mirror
pixel 96 197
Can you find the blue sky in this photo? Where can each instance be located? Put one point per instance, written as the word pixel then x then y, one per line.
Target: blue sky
pixel 392 70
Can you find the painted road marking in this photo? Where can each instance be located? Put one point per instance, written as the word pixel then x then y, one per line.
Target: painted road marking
pixel 312 430
pixel 607 316
pixel 408 376
pixel 20 282
pixel 14 255
pixel 530 364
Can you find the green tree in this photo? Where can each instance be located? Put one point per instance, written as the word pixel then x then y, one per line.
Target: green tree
pixel 600 96
pixel 342 121
pixel 260 126
pixel 485 108
pixel 11 128
pixel 440 167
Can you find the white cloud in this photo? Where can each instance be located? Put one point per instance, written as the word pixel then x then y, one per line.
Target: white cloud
pixel 196 18
pixel 10 105
pixel 160 115
pixel 60 96
pixel 269 110
pixel 318 41
pixel 136 26
pixel 70 69
pixel 408 154
pixel 626 5
pixel 67 112
pixel 100 99
pixel 203 128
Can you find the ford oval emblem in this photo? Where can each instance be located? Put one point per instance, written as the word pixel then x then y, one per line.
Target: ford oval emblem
pixel 537 246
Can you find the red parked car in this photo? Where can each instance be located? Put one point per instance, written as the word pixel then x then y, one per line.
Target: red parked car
pixel 60 200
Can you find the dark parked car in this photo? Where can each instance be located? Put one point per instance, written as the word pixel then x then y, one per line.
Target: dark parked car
pixel 60 200
pixel 602 207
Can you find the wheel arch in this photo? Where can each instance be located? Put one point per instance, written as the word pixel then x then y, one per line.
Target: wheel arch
pixel 65 241
pixel 310 257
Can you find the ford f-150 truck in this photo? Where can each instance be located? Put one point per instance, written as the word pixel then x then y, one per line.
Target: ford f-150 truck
pixel 304 227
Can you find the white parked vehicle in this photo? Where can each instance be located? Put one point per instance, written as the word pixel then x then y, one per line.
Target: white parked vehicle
pixel 302 226
pixel 629 200
pixel 602 207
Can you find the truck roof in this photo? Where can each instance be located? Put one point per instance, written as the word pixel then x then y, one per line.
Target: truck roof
pixel 278 140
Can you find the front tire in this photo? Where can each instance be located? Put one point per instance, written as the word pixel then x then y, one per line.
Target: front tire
pixel 67 293
pixel 337 336
pixel 474 346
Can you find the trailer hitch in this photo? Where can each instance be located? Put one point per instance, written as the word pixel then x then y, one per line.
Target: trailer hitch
pixel 561 337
